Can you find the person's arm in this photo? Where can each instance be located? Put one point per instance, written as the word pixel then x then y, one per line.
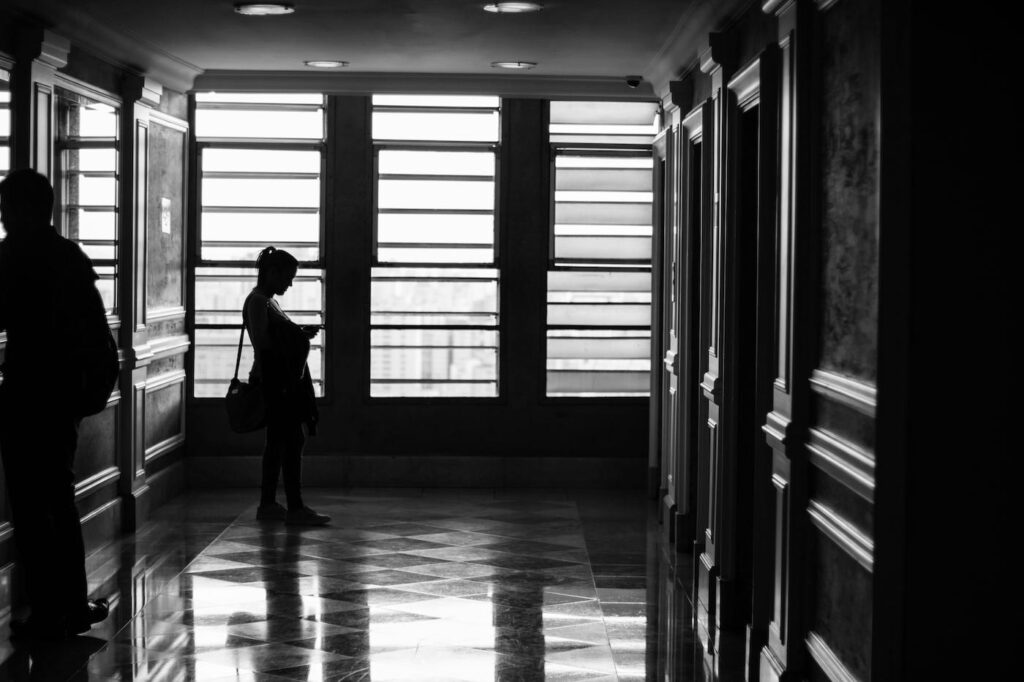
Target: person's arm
pixel 256 313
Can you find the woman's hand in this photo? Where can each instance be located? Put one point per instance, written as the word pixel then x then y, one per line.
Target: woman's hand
pixel 310 330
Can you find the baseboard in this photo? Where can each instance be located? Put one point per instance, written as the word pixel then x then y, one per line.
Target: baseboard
pixel 166 484
pixel 430 472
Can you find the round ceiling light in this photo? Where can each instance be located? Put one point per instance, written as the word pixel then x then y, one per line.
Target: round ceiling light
pixel 254 9
pixel 324 63
pixel 520 66
pixel 513 7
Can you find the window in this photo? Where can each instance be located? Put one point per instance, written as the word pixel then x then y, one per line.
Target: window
pixel 5 124
pixel 5 129
pixel 87 182
pixel 434 281
pixel 599 273
pixel 260 161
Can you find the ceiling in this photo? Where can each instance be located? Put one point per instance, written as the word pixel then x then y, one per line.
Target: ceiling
pixel 568 38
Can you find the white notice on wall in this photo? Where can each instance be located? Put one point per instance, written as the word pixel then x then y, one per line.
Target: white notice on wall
pixel 165 215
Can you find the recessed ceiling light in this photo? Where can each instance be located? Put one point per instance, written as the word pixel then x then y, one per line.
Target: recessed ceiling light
pixel 255 9
pixel 513 7
pixel 522 66
pixel 324 63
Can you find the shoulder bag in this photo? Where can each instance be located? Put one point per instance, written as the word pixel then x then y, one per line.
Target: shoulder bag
pixel 245 402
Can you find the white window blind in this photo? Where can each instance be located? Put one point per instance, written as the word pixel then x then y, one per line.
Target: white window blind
pixel 434 283
pixel 261 160
pixel 599 275
pixel 87 182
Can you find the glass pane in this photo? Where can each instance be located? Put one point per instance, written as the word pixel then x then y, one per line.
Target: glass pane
pixel 256 192
pixel 5 123
pixel 228 123
pixel 603 113
pixel 439 228
pixel 603 180
pixel 433 296
pixel 433 390
pixel 456 127
pixel 85 190
pixel 485 102
pixel 411 255
pixel 394 161
pixel 261 97
pixel 85 224
pixel 91 159
pixel 562 280
pixel 435 194
pixel 438 363
pixel 261 160
pixel 603 248
pixel 590 384
pixel 603 214
pixel 599 315
pixel 265 228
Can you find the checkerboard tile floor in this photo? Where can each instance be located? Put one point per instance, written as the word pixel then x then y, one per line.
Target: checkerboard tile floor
pixel 428 588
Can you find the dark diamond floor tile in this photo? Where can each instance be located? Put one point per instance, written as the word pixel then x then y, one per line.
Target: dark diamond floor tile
pixel 377 596
pixel 456 538
pixel 397 544
pixel 449 588
pixel 280 629
pixel 523 563
pixel 407 529
pixel 245 575
pixel 345 670
pixel 387 578
pixel 392 560
pixel 621 582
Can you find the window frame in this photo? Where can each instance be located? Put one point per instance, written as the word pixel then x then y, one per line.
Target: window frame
pixel 195 253
pixel 121 260
pixel 604 149
pixel 496 263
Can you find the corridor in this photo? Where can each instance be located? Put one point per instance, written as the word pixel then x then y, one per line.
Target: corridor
pixel 408 584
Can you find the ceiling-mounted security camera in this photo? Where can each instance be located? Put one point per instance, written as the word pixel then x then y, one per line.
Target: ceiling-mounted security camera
pixel 634 81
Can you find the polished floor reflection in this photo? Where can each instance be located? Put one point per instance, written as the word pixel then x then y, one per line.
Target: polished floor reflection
pixel 404 585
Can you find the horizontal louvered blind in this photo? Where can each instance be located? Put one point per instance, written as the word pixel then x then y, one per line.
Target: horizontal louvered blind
pixel 434 284
pixel 261 159
pixel 599 278
pixel 5 129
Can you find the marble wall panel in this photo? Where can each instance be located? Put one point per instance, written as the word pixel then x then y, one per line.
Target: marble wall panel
pixel 165 218
pixel 850 110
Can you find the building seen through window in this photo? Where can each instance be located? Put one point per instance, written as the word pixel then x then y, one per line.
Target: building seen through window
pixel 256 189
pixel 599 274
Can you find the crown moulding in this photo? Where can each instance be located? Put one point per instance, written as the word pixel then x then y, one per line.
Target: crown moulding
pixel 363 83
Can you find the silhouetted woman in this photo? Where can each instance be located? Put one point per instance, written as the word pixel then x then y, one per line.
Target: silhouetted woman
pixel 281 350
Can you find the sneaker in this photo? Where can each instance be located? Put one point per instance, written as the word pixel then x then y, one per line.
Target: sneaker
pixel 271 512
pixel 304 516
pixel 96 611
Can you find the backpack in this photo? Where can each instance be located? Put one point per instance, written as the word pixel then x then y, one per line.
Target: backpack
pixel 97 374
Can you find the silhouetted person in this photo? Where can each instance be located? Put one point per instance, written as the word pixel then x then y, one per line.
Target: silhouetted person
pixel 280 367
pixel 48 297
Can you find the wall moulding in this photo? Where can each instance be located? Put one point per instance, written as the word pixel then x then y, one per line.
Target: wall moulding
pixel 827 660
pixel 164 380
pixel 844 461
pixel 366 83
pixel 169 346
pixel 164 447
pixel 97 481
pixel 840 531
pixel 858 395
pixel 746 85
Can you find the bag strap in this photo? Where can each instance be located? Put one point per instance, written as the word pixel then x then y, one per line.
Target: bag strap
pixel 241 337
